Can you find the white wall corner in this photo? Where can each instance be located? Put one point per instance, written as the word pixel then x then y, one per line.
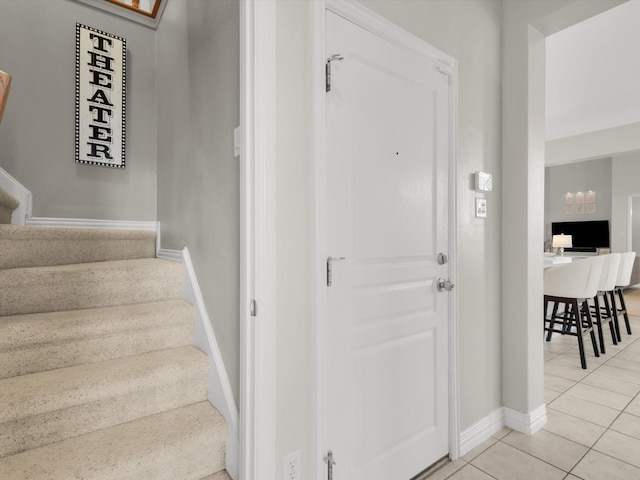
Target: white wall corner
pixel 527 423
pixel 481 430
pixel 219 387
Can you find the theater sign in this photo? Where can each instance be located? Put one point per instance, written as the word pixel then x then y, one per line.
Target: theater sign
pixel 100 97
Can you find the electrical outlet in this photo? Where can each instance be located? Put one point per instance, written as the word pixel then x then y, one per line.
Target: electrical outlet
pixel 291 466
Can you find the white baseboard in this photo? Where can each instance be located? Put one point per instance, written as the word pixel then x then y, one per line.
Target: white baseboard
pixel 527 423
pixel 19 191
pixel 220 393
pixel 481 430
pixel 92 223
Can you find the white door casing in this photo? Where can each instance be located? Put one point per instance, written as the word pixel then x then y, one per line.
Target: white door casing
pixel 387 210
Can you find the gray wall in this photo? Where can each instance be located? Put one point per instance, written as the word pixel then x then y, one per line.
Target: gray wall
pixel 37 138
pixel 198 176
pixel 626 181
pixel 593 175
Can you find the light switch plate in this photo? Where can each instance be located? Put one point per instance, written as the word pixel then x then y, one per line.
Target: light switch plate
pixel 481 208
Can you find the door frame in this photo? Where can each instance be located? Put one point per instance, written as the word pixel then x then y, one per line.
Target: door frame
pixel 257 239
pixel 629 241
pixel 371 21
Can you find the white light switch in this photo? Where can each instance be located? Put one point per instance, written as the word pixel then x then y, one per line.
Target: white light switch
pixel 481 208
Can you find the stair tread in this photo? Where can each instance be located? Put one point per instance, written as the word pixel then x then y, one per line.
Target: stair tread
pixel 26 232
pixel 184 443
pixel 62 388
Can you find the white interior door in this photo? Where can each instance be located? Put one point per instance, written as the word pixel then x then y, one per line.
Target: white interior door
pixel 387 214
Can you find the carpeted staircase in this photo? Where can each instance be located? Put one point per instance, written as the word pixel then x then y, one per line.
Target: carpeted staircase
pixel 98 377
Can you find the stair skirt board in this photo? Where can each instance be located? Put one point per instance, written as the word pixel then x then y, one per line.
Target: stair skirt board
pixel 219 387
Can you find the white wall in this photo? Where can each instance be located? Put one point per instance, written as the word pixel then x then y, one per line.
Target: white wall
pixel 37 136
pixel 582 93
pixel 198 176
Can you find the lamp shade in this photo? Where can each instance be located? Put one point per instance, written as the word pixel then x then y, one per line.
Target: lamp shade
pixel 562 240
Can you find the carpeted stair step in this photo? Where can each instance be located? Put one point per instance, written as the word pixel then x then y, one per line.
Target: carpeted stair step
pixel 22 246
pixel 8 203
pixel 182 444
pixel 45 341
pixel 46 407
pixel 88 285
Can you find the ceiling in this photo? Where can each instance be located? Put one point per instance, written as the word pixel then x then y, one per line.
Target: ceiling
pixel 593 74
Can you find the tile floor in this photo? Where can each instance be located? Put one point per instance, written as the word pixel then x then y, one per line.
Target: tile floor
pixel 593 421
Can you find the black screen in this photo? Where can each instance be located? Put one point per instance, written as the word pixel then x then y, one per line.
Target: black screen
pixel 587 236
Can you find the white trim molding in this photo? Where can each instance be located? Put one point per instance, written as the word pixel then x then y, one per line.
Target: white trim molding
pixel 481 430
pixel 219 390
pixel 527 423
pixel 258 239
pixel 92 223
pixel 19 191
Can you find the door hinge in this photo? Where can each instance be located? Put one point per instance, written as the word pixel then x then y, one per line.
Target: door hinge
pixel 253 308
pixel 330 261
pixel 327 70
pixel 328 459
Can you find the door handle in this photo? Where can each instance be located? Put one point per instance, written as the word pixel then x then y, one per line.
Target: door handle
pixel 444 285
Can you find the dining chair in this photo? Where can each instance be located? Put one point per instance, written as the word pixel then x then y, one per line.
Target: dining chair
pixel 624 278
pixel 606 312
pixel 571 285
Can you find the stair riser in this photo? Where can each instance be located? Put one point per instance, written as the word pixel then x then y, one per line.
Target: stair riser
pixel 39 358
pixel 26 331
pixel 5 215
pixel 54 289
pixel 38 430
pixel 39 253
pixel 22 246
pixel 181 444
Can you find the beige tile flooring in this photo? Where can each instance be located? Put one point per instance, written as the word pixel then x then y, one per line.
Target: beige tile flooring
pixel 593 421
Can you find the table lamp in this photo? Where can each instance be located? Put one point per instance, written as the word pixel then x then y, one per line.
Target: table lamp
pixel 561 242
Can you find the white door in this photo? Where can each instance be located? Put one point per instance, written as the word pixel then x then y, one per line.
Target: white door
pixel 387 214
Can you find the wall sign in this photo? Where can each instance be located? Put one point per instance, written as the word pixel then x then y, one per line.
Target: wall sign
pixel 100 97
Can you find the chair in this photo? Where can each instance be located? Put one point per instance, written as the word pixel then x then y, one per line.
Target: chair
pixel 607 312
pixel 624 278
pixel 572 285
